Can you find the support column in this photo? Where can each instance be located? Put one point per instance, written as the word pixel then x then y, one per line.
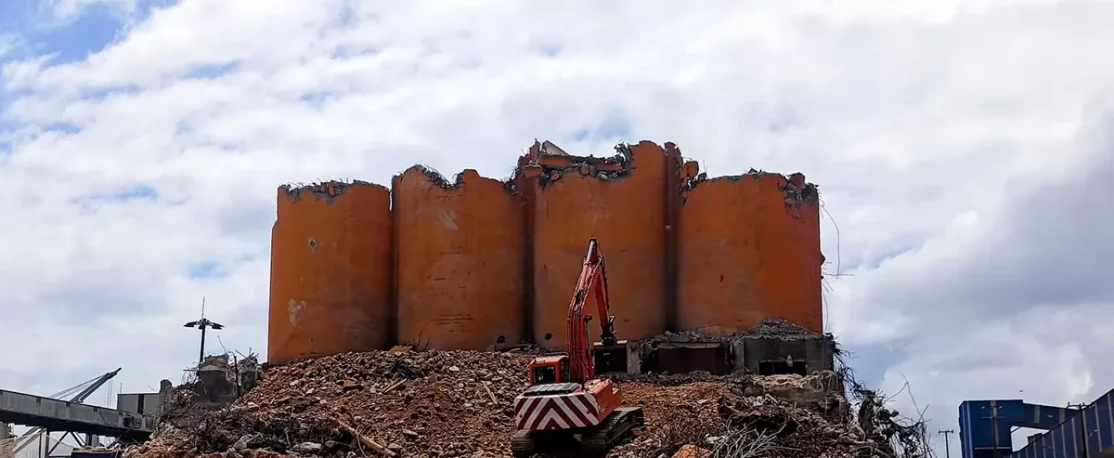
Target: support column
pixel 6 445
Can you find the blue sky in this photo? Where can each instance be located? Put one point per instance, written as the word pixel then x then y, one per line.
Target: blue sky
pixel 960 147
pixel 73 39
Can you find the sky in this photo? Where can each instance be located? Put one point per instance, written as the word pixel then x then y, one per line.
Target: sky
pixel 964 151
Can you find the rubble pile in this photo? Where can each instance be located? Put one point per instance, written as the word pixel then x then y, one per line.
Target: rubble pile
pixel 767 328
pixel 408 404
pixel 778 328
pixel 761 416
pixel 821 392
pixel 218 381
pixel 458 404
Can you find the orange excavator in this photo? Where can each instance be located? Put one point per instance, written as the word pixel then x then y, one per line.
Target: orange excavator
pixel 567 408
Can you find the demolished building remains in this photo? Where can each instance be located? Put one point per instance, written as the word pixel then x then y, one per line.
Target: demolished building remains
pixel 478 264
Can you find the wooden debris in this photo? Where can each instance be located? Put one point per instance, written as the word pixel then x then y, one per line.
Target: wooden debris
pixel 366 441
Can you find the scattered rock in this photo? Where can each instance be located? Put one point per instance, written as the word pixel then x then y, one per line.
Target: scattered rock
pixel 306 447
pixel 692 451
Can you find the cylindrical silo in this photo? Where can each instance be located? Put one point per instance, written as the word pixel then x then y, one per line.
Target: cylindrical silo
pixel 330 271
pixel 621 202
pixel 461 261
pixel 749 248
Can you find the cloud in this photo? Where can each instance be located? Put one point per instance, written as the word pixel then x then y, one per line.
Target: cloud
pixel 957 145
pixel 1013 300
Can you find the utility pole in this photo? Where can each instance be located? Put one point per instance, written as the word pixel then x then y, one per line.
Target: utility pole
pixel 203 323
pixel 947 444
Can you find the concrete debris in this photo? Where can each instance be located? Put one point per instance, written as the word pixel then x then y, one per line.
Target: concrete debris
pixel 458 404
pixel 767 328
pixel 218 383
pixel 820 392
pixel 779 328
pixel 554 163
pixel 797 191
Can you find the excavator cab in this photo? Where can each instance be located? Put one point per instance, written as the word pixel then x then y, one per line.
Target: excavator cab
pixel 618 358
pixel 549 369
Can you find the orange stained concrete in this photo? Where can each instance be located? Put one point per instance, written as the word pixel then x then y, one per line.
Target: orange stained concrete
pixel 627 215
pixel 330 271
pixel 745 254
pixel 461 262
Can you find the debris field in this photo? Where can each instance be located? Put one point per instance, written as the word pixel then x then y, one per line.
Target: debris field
pixel 458 404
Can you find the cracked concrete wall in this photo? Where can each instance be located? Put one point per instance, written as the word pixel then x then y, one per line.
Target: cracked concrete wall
pixel 625 210
pixel 749 248
pixel 460 263
pixel 330 271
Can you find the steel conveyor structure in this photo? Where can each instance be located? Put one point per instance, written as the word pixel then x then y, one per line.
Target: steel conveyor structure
pixel 985 426
pixel 59 415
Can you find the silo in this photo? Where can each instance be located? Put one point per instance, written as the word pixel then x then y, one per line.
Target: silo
pixel 461 261
pixel 330 271
pixel 749 248
pixel 620 201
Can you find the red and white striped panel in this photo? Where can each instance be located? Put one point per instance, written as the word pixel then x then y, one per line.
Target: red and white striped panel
pixel 559 411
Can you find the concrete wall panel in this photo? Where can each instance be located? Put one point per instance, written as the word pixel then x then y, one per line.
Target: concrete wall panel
pixel 749 249
pixel 330 271
pixel 626 211
pixel 461 261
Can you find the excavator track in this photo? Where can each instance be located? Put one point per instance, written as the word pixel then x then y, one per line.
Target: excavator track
pixel 599 440
pixel 525 444
pixel 522 445
pixel 594 442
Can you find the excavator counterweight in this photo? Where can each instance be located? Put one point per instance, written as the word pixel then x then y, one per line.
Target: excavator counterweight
pixel 566 399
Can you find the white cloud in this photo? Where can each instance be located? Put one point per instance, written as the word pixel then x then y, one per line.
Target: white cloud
pixel 922 121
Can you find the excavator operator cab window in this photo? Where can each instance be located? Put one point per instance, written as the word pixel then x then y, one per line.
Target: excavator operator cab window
pixel 553 373
pixel 543 375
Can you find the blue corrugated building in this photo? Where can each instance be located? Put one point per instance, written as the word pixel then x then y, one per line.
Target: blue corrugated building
pixel 985 426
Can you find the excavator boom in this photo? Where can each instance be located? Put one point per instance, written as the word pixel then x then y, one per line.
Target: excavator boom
pixel 592 284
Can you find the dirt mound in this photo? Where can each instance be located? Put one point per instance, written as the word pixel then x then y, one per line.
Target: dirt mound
pixel 458 404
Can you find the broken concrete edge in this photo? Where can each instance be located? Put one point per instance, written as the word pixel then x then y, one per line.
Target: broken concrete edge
pixel 458 180
pixel 541 157
pixel 533 164
pixel 324 190
pixel 797 191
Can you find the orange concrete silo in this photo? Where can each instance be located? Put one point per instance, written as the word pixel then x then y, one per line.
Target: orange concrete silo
pixel 749 248
pixel 330 271
pixel 461 261
pixel 621 201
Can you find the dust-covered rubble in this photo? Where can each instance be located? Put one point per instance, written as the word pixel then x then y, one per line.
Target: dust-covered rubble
pixel 767 328
pixel 458 404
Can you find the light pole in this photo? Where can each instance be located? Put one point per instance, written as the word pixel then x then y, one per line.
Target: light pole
pixel 947 444
pixel 203 323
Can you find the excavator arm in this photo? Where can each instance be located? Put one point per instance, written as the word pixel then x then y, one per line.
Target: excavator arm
pixel 592 284
pixel 598 419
